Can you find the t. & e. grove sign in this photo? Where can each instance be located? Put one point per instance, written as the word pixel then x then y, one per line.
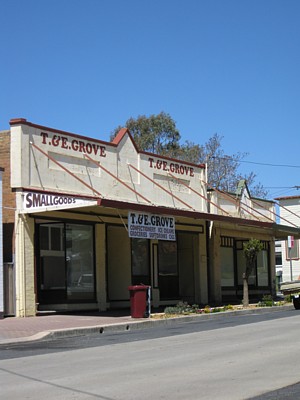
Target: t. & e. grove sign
pixel 150 226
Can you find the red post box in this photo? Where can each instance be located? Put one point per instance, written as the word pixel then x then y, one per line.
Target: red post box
pixel 139 301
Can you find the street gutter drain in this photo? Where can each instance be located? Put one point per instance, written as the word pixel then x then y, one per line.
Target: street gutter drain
pixel 101 330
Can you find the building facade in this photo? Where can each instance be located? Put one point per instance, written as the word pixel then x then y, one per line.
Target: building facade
pixel 92 218
pixel 288 266
pixel 227 240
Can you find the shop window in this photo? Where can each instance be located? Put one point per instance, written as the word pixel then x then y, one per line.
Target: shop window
pixel 241 268
pixel 80 262
pixel 56 238
pixel 262 268
pixel 168 270
pixel 227 266
pixel 51 237
pixel 167 253
pixel 140 261
pixel 44 237
pixel 259 276
pixel 227 261
pixel 278 259
pixel 66 263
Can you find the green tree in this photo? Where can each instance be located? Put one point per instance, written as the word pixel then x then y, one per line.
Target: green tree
pixel 158 134
pixel 251 250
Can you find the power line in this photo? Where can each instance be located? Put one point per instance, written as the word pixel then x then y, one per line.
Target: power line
pixel 257 163
pixel 271 165
pixel 282 187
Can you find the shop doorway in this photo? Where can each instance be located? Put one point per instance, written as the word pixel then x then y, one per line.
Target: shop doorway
pixel 176 267
pixel 168 278
pixel 65 263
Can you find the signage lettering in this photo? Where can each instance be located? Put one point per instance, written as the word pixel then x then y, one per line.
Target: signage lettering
pixel 172 167
pixel 33 200
pixel 150 226
pixel 76 145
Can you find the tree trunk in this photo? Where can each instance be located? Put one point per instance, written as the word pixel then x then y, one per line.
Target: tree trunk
pixel 245 291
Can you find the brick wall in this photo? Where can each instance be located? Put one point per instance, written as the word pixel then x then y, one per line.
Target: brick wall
pixel 9 202
pixel 8 198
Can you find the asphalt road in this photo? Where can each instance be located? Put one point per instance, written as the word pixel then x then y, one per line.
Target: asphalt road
pixel 253 356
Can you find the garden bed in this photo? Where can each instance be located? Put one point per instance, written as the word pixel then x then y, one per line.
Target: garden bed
pixel 183 309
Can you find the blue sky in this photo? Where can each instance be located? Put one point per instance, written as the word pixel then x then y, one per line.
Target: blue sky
pixel 230 67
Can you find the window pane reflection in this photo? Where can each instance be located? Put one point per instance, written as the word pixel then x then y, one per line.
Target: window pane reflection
pixel 80 263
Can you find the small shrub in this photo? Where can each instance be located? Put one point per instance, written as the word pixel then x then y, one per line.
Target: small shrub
pixel 171 310
pixel 267 301
pixel 196 308
pixel 288 298
pixel 182 308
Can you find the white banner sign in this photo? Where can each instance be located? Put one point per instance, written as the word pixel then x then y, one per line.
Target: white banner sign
pixel 33 201
pixel 149 226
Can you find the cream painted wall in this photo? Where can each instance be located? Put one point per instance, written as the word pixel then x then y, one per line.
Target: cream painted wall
pixel 61 162
pixel 118 263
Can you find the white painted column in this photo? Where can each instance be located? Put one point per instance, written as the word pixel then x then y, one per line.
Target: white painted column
pixel 24 266
pixel 19 267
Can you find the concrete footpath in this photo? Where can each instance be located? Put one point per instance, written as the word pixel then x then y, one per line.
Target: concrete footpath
pixel 46 327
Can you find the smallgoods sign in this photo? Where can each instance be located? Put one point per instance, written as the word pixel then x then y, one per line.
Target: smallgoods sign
pixel 150 226
pixel 41 201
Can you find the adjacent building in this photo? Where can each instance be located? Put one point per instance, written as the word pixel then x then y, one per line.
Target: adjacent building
pixel 1 252
pixel 88 218
pixel 289 267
